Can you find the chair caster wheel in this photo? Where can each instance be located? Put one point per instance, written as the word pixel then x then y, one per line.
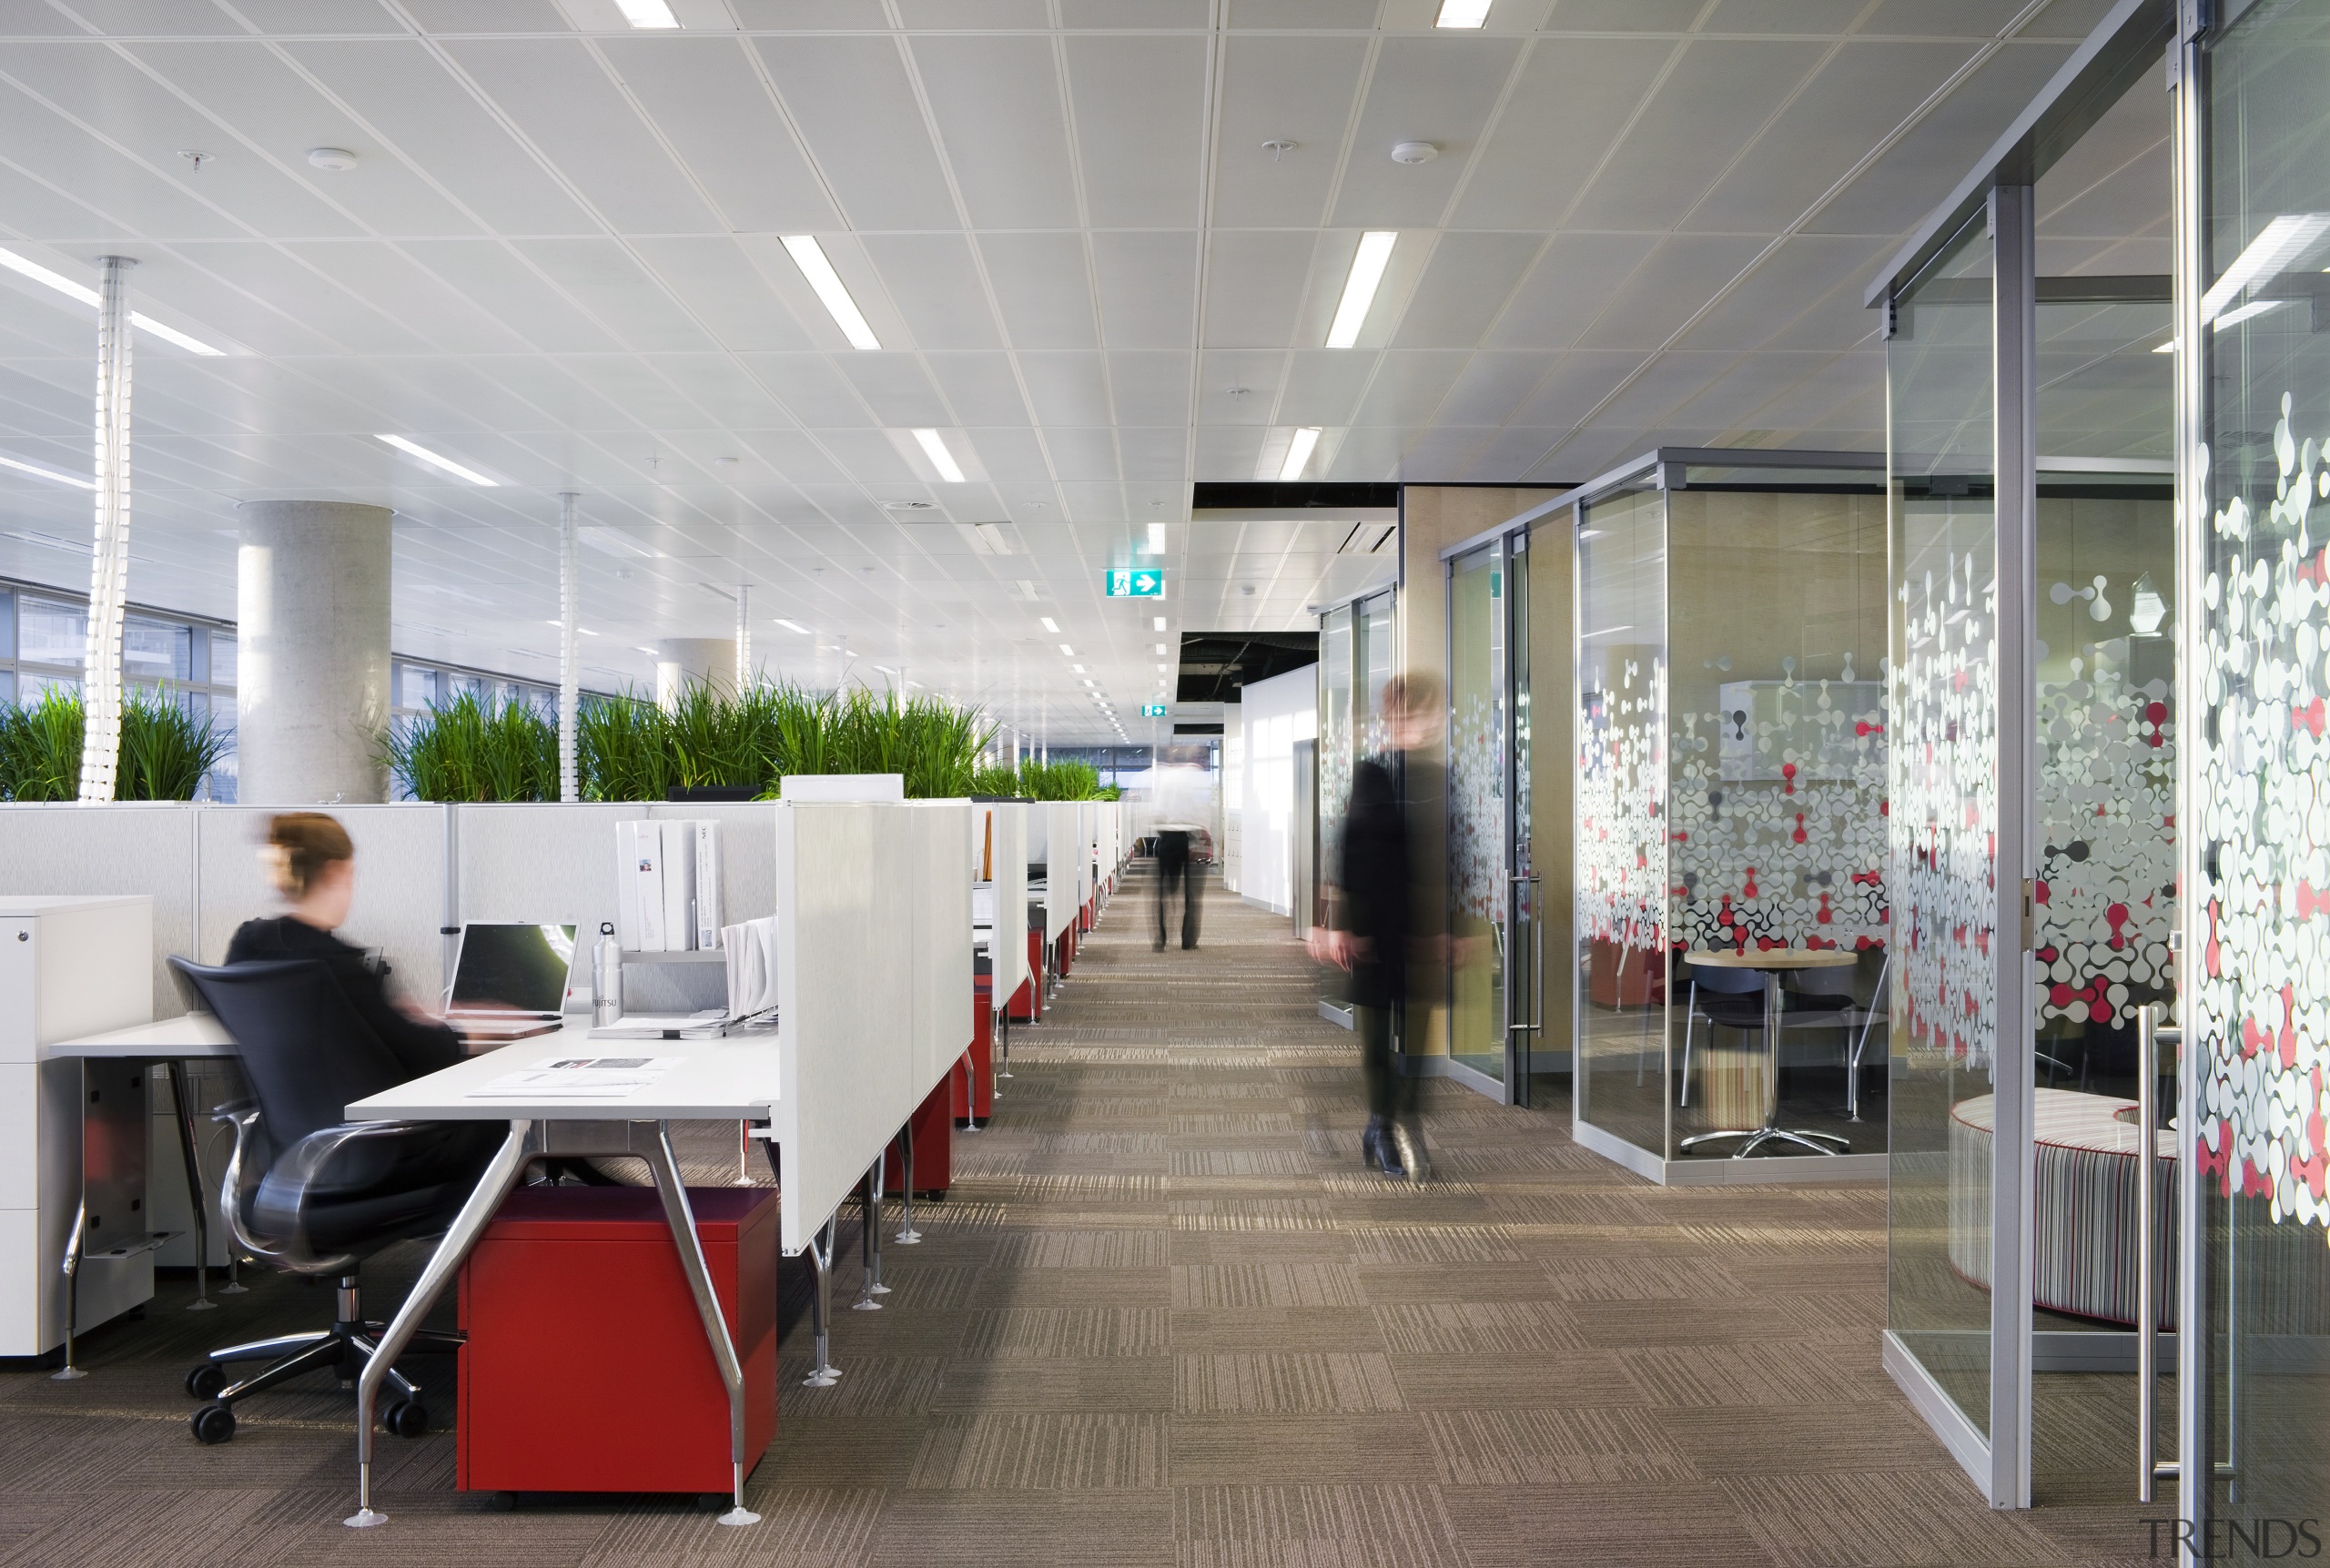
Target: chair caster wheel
pixel 405 1418
pixel 501 1501
pixel 214 1424
pixel 204 1381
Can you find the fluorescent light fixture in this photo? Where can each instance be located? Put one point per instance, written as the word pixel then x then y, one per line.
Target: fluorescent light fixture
pixel 1162 649
pixel 434 460
pixel 39 472
pixel 885 669
pixel 1089 681
pixel 1156 538
pixel 1359 289
pixel 2277 245
pixel 2167 348
pixel 88 296
pixel 656 14
pixel 1158 624
pixel 1077 669
pixel 1298 452
pixel 810 258
pixel 649 651
pixel 940 458
pixel 1049 624
pixel 579 631
pixel 1462 14
pixel 1066 650
pixel 792 625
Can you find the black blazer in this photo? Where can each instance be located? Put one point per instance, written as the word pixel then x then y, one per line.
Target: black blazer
pixel 1375 887
pixel 420 1048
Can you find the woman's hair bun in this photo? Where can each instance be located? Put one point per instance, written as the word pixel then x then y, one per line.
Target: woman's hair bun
pixel 300 845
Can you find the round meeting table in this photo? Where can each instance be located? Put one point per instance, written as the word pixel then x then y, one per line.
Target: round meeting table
pixel 1772 965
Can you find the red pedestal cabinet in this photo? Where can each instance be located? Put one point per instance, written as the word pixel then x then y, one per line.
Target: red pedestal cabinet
pixel 934 1144
pixel 586 1368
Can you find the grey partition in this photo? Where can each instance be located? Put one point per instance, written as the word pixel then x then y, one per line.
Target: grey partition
pixel 403 894
pixel 129 848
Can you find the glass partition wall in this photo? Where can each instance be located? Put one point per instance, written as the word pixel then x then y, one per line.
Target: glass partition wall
pixel 1730 804
pixel 1355 664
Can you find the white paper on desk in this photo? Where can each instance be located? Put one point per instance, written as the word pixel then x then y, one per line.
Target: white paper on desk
pixel 579 1077
pixel 750 951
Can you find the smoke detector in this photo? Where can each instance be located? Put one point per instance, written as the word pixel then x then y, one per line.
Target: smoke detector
pixel 908 506
pixel 1414 152
pixel 336 159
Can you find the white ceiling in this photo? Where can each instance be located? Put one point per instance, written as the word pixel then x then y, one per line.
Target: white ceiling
pixel 557 261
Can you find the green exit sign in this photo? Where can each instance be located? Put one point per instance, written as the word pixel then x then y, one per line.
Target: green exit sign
pixel 1137 582
pixel 1152 710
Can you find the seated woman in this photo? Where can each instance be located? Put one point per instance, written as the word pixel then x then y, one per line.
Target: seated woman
pixel 313 865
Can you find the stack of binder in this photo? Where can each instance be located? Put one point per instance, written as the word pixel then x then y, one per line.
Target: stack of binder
pixel 667 886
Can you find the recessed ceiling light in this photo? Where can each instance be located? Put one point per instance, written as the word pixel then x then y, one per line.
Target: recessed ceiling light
pixel 88 296
pixel 940 458
pixel 336 159
pixel 1462 14
pixel 651 652
pixel 1066 650
pixel 1049 624
pixel 909 506
pixel 435 460
pixel 1158 624
pixel 1077 669
pixel 2277 245
pixel 1366 275
pixel 810 258
pixel 885 669
pixel 1298 454
pixel 39 472
pixel 792 625
pixel 647 13
pixel 724 462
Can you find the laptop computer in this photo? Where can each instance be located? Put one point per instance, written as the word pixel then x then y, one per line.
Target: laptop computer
pixel 510 980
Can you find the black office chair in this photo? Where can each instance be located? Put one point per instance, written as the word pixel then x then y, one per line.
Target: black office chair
pixel 331 1191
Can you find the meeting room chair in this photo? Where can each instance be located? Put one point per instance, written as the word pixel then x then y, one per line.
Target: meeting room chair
pixel 314 1194
pixel 1734 998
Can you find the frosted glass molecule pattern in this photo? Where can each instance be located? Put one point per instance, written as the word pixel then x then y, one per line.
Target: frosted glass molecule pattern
pixel 1793 860
pixel 1476 810
pixel 1942 856
pixel 2107 858
pixel 2259 1005
pixel 1621 868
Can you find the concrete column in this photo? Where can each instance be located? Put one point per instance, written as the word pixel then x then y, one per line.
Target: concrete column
pixel 311 642
pixel 680 660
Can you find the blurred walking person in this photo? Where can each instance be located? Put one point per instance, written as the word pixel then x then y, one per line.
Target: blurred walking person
pixel 1373 929
pixel 1182 805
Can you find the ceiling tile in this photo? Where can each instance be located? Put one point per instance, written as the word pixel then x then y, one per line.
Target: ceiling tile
pixel 1043 285
pixel 605 280
pixel 855 106
pixel 1067 390
pixel 1139 107
pixel 1150 389
pixel 1438 90
pixel 1301 90
pixel 932 279
pixel 1255 280
pixel 997 102
pixel 1147 288
pixel 714 280
pixel 705 97
pixel 980 389
pixel 563 100
pixel 1464 289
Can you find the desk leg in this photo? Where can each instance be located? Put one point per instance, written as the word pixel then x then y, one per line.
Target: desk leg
pixel 190 1150
pixel 68 1372
pixel 825 1374
pixel 682 1219
pixel 869 1203
pixel 500 1175
pixel 908 1235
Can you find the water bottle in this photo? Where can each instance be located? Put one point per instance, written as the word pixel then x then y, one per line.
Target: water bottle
pixel 607 977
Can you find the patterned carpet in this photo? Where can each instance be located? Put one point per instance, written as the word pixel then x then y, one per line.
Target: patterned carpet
pixel 1167 1317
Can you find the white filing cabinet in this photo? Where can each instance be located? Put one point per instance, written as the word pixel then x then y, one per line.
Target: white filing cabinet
pixel 69 966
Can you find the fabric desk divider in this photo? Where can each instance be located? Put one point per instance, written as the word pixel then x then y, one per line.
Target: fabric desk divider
pixel 1007 950
pixel 1064 879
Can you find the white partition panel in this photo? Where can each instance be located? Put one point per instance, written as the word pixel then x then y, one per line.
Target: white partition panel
pixel 65 849
pixel 939 884
pixel 747 853
pixel 844 1079
pixel 544 864
pixel 1061 857
pixel 1010 949
pixel 402 895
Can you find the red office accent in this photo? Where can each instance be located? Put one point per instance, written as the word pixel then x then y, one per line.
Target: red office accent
pixel 569 1284
pixel 1028 1001
pixel 934 1140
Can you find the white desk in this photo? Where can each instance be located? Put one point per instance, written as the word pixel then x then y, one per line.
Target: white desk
pixel 733 1079
pixel 173 1042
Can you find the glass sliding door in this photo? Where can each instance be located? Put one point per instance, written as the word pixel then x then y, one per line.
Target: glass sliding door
pixel 1478 754
pixel 1525 971
pixel 1944 861
pixel 2254 402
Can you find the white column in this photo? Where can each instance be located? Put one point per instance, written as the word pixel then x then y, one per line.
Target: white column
pixel 311 641
pixel 109 556
pixel 683 660
pixel 570 673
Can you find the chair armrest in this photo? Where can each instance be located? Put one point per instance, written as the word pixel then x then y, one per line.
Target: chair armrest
pixel 232 1109
pixel 299 1171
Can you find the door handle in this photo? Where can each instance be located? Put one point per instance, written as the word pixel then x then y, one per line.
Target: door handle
pixel 1537 964
pixel 2150 1468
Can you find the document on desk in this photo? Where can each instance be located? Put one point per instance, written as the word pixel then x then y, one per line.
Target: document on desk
pixel 579 1077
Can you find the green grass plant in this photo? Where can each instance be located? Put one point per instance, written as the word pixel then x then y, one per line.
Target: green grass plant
pixel 475 748
pixel 166 750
